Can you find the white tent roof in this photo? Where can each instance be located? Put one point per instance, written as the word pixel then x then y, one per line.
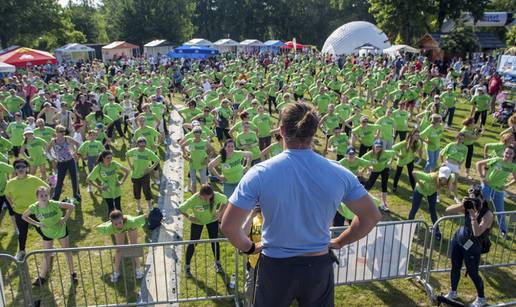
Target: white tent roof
pixel 74 47
pixel 158 42
pixel 4 67
pixel 251 43
pixel 348 38
pixel 226 42
pixel 198 42
pixel 400 48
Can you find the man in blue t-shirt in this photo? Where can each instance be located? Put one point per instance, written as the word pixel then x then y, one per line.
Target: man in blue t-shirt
pixel 299 192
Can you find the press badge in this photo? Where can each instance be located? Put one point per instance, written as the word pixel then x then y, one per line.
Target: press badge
pixel 468 244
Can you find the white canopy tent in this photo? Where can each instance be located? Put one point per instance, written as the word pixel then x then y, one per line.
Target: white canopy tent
pixel 157 47
pixel 351 37
pixel 201 42
pixel 397 49
pixel 74 52
pixel 6 68
pixel 250 46
pixel 226 45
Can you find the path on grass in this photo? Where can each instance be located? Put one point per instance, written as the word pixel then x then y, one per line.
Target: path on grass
pixel 163 265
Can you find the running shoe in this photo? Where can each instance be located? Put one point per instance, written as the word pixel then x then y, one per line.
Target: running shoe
pixel 20 255
pixel 74 279
pixel 139 273
pixel 452 295
pixel 479 302
pixel 218 267
pixel 40 281
pixel 114 277
pixel 188 273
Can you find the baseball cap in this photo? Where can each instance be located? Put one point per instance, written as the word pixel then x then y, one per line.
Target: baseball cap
pixel 378 143
pixel 196 123
pixel 350 151
pixel 27 131
pixel 444 172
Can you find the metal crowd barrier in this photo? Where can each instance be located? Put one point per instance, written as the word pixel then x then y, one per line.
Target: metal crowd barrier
pixel 393 250
pixel 439 256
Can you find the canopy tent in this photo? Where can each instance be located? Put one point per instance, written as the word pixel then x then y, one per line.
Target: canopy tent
pixel 193 52
pixel 250 46
pixel 5 68
pixel 290 45
pixel 119 49
pixel 23 57
pixel 396 49
pixel 199 42
pixel 272 46
pixel 350 37
pixel 157 47
pixel 226 45
pixel 74 52
pixel 8 49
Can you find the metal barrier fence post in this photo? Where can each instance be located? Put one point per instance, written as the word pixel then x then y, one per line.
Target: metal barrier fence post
pixel 500 254
pixel 14 287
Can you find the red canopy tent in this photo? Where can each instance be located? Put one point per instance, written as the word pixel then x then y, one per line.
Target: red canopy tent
pixel 23 57
pixel 290 45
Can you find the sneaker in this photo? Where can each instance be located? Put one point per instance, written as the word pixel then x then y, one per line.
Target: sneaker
pixel 20 255
pixel 114 277
pixel 438 199
pixel 188 273
pixel 479 302
pixel 452 295
pixel 386 209
pixel 74 279
pixel 40 281
pixel 218 267
pixel 394 189
pixel 139 273
pixel 89 188
pixel 446 126
pixel 139 210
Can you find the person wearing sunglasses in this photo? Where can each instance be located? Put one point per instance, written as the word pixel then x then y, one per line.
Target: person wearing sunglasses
pixel 21 193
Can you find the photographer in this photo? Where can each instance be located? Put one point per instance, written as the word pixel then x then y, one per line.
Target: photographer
pixel 470 241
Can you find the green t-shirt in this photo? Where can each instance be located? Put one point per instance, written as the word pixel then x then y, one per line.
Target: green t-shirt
pixel 470 135
pixel 331 122
pixel 13 104
pixel 400 120
pixel 340 143
pixel 46 133
pixel 263 123
pixel 108 176
pixel 343 111
pixel 381 162
pixel 15 131
pixel 5 147
pixel 355 165
pixel 37 150
pixel 481 102
pixel 249 142
pixel 348 215
pixel 495 149
pixel 405 156
pixel 433 136
pixel 232 169
pixel 455 152
pixel 22 192
pixel 50 217
pixel 426 182
pixel 199 208
pixel 5 171
pixel 386 128
pixel 188 114
pixel 198 153
pixel 141 161
pixel 113 110
pixel 366 135
pixel 150 135
pixel 448 99
pixel 498 171
pixel 90 148
pixel 130 223
pixel 276 149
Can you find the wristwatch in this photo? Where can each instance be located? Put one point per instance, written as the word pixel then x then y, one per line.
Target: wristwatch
pixel 251 250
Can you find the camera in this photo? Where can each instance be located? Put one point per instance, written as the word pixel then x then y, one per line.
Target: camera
pixel 471 203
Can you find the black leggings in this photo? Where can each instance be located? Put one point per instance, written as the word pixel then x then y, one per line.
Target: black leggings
pixel 483 117
pixel 118 125
pixel 272 101
pixel 363 150
pixel 113 203
pixel 471 258
pixel 402 134
pixel 399 170
pixel 62 168
pixel 374 175
pixel 195 234
pixel 23 229
pixel 222 134
pixel 469 156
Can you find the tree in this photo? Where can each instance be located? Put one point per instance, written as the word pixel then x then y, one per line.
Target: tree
pixel 452 9
pixel 460 40
pixel 510 38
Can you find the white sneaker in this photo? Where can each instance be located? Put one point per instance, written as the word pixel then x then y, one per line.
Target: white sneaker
pixel 438 199
pixel 452 295
pixel 479 302
pixel 20 255
pixel 114 277
pixel 139 273
pixel 89 188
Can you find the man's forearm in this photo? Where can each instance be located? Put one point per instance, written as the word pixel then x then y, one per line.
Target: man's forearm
pixel 357 230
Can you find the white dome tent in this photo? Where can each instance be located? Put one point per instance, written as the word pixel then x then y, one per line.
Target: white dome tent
pixel 351 37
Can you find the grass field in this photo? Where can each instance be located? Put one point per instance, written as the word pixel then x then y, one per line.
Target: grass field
pixel 499 283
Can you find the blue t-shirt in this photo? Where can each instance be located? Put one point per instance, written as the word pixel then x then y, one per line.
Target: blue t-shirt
pixel 299 192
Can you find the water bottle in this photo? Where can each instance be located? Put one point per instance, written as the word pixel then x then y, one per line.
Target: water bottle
pixel 232 281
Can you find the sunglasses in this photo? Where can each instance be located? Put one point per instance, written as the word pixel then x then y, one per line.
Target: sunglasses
pixel 20 166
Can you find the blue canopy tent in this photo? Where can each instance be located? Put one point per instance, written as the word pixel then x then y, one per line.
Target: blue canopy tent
pixel 193 52
pixel 272 46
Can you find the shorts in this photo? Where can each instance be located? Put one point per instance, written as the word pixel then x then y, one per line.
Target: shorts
pixel 455 168
pixel 45 238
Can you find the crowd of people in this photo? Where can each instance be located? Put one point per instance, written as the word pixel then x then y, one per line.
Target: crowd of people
pixel 378 117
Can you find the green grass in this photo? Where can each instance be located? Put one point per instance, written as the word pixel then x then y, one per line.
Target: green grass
pixel 499 283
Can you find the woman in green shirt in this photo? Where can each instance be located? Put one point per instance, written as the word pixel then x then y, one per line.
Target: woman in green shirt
pixel 365 134
pixel 107 173
pixel 196 150
pixel 353 163
pixel 274 149
pixel 204 209
pixel 47 217
pixel 432 137
pixel 406 152
pixel 471 134
pixel 231 162
pixel 120 226
pixel 380 160
pixel 493 174
pixel 33 148
pixel 248 141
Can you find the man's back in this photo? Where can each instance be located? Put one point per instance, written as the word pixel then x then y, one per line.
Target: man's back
pixel 299 192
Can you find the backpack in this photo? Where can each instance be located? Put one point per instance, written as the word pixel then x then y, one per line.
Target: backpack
pixel 155 218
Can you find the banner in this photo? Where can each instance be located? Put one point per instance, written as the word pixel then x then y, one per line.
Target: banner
pixel 382 254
